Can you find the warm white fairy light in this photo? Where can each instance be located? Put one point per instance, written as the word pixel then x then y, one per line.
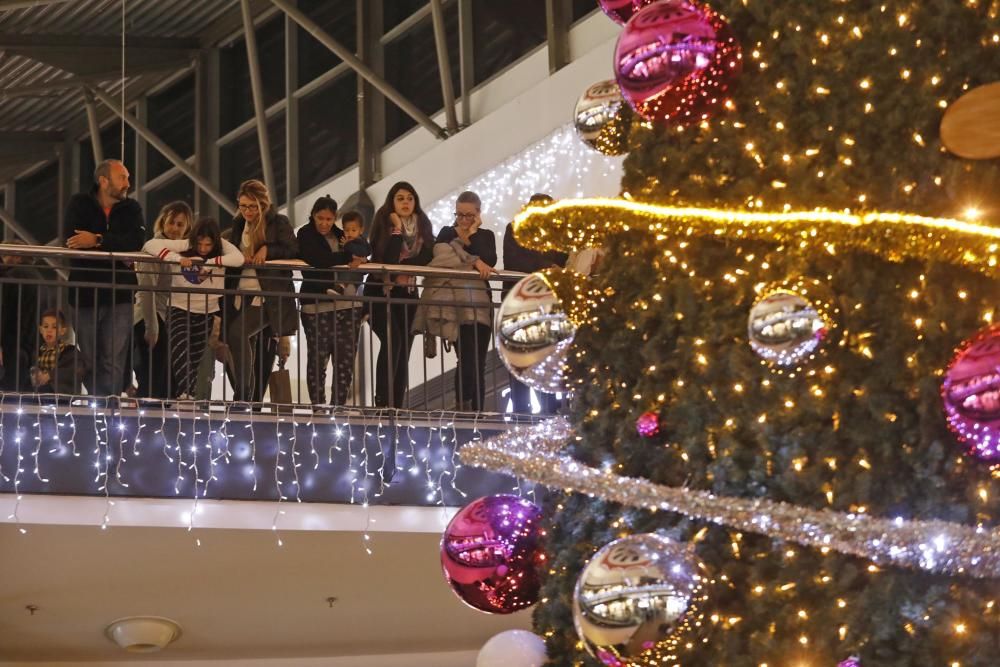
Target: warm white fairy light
pixel 559 165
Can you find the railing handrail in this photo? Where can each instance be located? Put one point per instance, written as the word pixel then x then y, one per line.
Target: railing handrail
pixel 50 252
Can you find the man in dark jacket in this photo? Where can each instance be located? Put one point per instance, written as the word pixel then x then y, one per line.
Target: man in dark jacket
pixel 518 258
pixel 104 220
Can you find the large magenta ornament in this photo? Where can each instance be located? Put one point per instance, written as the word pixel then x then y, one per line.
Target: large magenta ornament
pixel 850 662
pixel 675 60
pixel 491 555
pixel 620 11
pixel 971 394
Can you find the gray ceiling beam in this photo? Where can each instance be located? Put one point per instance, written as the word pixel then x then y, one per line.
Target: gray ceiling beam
pixel 257 92
pixel 55 87
pixel 31 41
pixel 25 4
pixel 444 65
pixel 30 137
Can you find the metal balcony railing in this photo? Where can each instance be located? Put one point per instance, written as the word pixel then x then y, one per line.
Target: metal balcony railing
pixel 173 420
pixel 185 339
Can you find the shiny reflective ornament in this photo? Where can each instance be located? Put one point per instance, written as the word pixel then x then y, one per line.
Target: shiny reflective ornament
pixel 491 555
pixel 971 394
pixel 512 648
pixel 636 598
pixel 602 118
pixel 786 327
pixel 850 662
pixel 648 424
pixel 675 60
pixel 620 11
pixel 534 334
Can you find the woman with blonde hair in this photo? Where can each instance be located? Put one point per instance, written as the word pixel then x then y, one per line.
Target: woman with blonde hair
pixel 151 353
pixel 262 234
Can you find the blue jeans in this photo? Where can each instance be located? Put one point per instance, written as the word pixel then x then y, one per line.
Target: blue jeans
pixel 103 334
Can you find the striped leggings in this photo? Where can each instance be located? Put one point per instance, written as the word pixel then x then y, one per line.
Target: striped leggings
pixel 189 334
pixel 331 336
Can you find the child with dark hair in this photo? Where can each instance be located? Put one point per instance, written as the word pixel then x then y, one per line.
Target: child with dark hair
pixel 190 317
pixel 354 242
pixel 58 368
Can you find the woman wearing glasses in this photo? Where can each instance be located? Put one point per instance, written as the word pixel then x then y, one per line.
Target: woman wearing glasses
pixel 459 309
pixel 401 234
pixel 262 235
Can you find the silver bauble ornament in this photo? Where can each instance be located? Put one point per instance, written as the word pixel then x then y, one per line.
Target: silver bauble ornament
pixel 534 334
pixel 602 117
pixel 636 598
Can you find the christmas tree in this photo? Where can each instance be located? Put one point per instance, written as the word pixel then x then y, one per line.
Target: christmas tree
pixel 837 108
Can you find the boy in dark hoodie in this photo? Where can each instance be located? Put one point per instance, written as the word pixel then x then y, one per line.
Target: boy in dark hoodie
pixel 58 368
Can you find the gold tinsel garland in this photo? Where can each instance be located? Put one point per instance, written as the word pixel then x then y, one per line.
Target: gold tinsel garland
pixel 575 224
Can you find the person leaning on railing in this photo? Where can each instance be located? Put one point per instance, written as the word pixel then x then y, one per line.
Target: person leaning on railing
pixel 262 234
pixel 331 323
pixel 152 336
pixel 401 234
pixel 518 258
pixel 459 309
pixel 104 220
pixel 201 256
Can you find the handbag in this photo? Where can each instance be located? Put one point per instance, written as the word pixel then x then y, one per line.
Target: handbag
pixel 279 385
pixel 430 345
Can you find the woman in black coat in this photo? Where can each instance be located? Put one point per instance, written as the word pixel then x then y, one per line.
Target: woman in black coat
pixel 263 235
pixel 401 234
pixel 331 322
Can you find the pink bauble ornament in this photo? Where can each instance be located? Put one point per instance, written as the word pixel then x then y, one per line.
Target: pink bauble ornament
pixel 675 60
pixel 491 555
pixel 971 394
pixel 620 11
pixel 850 662
pixel 648 424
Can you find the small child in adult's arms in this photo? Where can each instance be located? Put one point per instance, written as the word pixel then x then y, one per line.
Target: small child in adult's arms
pixel 58 368
pixel 353 241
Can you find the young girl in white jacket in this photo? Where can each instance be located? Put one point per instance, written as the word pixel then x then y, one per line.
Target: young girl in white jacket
pixel 201 256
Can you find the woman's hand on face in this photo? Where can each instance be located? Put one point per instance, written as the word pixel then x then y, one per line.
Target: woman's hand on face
pixel 397 222
pixel 260 256
pixel 483 268
pixel 476 224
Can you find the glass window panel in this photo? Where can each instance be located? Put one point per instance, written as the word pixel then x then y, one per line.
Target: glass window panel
pixel 177 188
pixel 239 160
pixel 170 115
pixel 411 67
pixel 237 97
pixel 502 32
pixel 36 202
pixel 328 134
pixel 395 12
pixel 583 8
pixel 111 142
pixel 337 18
